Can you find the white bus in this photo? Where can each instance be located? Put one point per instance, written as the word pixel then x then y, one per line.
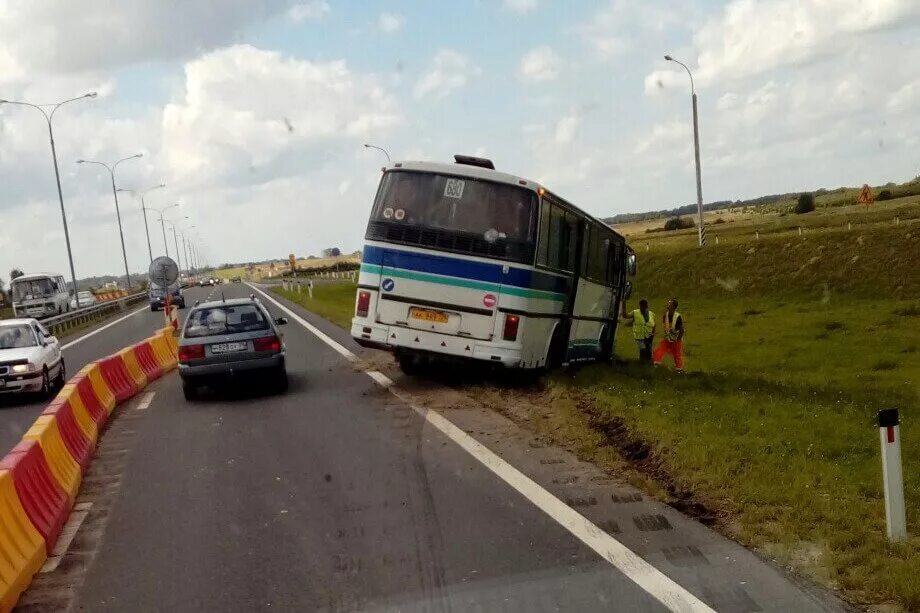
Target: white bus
pixel 39 295
pixel 463 261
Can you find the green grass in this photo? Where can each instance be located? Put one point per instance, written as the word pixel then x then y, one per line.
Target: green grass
pixel 332 301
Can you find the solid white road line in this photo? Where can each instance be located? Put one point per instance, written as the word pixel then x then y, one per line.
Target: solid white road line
pixel 105 327
pixel 653 581
pixel 146 399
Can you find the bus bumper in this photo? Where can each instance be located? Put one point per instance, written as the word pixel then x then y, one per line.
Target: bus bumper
pixel 398 338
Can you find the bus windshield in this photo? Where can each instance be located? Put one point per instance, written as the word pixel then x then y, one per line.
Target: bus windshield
pixel 492 211
pixel 30 290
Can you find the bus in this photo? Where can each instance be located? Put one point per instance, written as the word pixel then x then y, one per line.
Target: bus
pixel 463 261
pixel 39 295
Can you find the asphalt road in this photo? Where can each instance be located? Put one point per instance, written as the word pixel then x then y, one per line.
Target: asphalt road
pixel 339 496
pixel 17 412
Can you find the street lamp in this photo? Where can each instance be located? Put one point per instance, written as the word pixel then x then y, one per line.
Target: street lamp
pixel 121 234
pixel 176 242
pixel 163 227
pixel 57 175
pixel 143 193
pixel 367 146
pixel 696 150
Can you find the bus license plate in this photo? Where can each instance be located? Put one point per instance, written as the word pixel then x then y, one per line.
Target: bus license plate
pixel 428 315
pixel 228 347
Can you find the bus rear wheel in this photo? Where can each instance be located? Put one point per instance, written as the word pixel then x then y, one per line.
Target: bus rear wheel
pixel 556 354
pixel 409 363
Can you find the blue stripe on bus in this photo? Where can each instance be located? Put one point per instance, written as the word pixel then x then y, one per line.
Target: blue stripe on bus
pixel 465 269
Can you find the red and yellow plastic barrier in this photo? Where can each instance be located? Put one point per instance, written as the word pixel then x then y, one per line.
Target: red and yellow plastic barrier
pixel 40 478
pixel 22 548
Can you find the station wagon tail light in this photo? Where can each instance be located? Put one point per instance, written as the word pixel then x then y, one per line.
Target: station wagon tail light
pixel 364 303
pixel 266 343
pixel 511 327
pixel 191 352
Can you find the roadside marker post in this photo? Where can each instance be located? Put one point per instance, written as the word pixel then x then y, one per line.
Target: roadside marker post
pixel 298 286
pixel 310 288
pixel 892 475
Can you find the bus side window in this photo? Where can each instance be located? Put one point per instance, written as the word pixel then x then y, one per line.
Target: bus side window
pixel 543 240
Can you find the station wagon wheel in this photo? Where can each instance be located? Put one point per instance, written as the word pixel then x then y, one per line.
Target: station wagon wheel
pixel 45 391
pixel 61 378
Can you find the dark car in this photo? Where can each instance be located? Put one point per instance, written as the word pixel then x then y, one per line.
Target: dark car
pixel 227 339
pixel 236 279
pixel 157 297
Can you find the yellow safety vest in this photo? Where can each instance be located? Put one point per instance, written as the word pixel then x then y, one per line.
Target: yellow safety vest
pixel 669 325
pixel 641 328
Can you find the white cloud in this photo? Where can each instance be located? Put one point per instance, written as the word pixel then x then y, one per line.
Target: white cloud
pixel 308 11
pixel 389 22
pixel 51 37
pixel 567 128
pixel 540 64
pixel 226 125
pixel 623 25
pixel 905 98
pixel 520 6
pixel 448 72
pixel 754 36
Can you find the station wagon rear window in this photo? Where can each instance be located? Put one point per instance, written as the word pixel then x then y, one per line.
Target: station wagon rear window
pixel 225 320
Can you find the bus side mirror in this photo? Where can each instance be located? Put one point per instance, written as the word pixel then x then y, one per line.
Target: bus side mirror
pixel 632 264
pixel 627 290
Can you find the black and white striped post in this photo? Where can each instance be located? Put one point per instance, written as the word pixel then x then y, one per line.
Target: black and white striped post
pixel 893 477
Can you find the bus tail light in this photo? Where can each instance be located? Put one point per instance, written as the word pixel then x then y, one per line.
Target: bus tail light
pixel 187 353
pixel 364 303
pixel 511 327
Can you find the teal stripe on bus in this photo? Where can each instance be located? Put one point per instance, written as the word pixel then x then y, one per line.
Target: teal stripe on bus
pixel 466 283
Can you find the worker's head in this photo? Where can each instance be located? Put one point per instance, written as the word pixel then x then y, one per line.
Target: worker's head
pixel 643 306
pixel 672 305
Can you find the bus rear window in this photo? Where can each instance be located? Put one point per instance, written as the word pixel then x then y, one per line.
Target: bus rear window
pixel 492 211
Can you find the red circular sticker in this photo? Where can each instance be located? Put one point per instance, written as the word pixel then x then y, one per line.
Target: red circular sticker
pixel 489 300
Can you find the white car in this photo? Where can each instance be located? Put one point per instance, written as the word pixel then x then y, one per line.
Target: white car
pixel 30 358
pixel 83 300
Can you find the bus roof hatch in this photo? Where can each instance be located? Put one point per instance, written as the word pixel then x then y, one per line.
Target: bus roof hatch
pixel 470 160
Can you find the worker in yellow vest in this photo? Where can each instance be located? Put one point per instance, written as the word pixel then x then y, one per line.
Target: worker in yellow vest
pixel 643 325
pixel 673 339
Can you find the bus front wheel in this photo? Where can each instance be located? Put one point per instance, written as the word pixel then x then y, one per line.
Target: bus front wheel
pixel 409 363
pixel 556 354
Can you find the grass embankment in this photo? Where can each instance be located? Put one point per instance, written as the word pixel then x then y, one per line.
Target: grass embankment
pixel 332 301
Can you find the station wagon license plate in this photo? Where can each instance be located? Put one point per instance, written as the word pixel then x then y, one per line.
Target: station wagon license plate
pixel 428 315
pixel 228 347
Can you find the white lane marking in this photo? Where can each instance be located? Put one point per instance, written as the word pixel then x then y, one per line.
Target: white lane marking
pixel 105 327
pixel 146 399
pixel 345 353
pixel 68 532
pixel 653 581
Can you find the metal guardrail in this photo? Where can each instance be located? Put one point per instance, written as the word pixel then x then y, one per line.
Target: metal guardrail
pixel 63 323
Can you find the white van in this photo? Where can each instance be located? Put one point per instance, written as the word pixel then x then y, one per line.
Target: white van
pixel 39 295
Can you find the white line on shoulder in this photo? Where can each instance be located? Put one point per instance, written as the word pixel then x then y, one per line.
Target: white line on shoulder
pixel 661 587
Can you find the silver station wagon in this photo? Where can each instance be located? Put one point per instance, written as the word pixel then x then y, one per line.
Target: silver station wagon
pixel 228 339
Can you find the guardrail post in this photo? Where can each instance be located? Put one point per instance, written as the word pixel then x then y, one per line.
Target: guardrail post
pixel 310 288
pixel 892 475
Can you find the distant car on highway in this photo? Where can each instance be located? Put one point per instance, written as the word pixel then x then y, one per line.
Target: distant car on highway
pixel 39 295
pixel 158 296
pixel 236 280
pixel 30 358
pixel 83 300
pixel 227 339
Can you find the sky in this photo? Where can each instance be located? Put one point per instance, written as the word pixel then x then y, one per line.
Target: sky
pixel 254 112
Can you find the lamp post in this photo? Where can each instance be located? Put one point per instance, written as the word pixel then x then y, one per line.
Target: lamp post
pixel 162 226
pixel 57 175
pixel 367 146
pixel 143 193
pixel 176 242
pixel 696 151
pixel 121 235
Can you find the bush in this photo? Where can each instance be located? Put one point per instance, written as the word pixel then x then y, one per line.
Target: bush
pixel 805 203
pixel 678 223
pixel 885 194
pixel 718 221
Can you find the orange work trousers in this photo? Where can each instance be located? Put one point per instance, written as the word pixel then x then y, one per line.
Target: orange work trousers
pixel 675 348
